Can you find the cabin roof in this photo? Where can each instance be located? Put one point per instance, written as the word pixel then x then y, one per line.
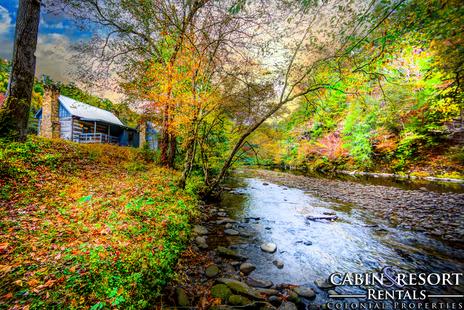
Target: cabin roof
pixel 88 112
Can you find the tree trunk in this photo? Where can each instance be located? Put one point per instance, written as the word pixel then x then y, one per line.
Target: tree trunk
pixel 164 142
pixel 172 150
pixel 14 113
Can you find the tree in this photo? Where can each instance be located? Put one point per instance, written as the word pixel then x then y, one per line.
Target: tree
pixel 14 112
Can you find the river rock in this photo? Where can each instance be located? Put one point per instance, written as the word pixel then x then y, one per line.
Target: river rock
pixel 323 284
pixel 226 252
pixel 305 292
pixel 269 247
pixel 221 214
pixel 237 300
pixel 259 283
pixel 231 232
pixel 265 184
pixel 275 300
pixel 240 288
pixel 292 296
pixel 200 230
pixel 221 291
pixel 307 243
pixel 247 268
pixel 182 298
pixel 287 306
pixel 228 226
pixel 201 242
pixel 332 292
pixel 225 220
pixel 212 271
pixel 278 263
pixel 267 291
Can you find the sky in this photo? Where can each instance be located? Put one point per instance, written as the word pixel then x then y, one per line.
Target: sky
pixel 56 35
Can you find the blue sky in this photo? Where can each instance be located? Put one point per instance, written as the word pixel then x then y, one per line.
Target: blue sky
pixel 56 35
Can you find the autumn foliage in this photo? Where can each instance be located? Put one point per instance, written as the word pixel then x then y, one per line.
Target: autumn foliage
pixel 87 226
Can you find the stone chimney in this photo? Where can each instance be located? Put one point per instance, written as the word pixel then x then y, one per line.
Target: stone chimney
pixel 50 123
pixel 142 134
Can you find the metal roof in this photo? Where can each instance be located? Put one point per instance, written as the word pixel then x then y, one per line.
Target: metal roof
pixel 88 112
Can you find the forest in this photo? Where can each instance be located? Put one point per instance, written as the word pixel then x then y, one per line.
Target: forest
pixel 313 86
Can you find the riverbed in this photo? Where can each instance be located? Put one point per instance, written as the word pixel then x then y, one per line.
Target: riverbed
pixel 413 230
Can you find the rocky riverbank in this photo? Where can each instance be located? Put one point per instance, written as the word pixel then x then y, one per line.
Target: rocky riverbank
pixel 437 214
pixel 215 276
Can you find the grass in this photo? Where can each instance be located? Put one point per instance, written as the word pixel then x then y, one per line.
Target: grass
pixel 87 226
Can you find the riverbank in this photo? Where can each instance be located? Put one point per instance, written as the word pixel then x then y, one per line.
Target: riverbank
pixel 438 214
pixel 87 226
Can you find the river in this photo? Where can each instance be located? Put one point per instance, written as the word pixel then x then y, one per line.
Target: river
pixel 359 241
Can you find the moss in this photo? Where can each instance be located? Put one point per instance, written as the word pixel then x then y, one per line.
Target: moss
pixel 221 291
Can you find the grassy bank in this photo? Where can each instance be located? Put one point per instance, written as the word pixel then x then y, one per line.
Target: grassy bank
pixel 87 226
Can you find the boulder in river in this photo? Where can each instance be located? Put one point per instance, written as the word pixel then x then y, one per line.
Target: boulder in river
pixel 259 283
pixel 269 247
pixel 247 268
pixel 305 292
pixel 229 253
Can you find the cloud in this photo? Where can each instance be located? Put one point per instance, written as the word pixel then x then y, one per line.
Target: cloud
pixel 5 21
pixel 52 26
pixel 54 54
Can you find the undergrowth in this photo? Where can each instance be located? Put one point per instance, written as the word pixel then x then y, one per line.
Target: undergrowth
pixel 87 226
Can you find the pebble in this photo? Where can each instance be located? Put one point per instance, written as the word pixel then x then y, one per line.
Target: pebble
pixel 269 247
pixel 278 263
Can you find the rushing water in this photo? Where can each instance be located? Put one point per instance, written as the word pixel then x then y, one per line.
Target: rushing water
pixel 313 250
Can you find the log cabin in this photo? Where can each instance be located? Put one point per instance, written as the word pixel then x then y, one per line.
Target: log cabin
pixel 69 119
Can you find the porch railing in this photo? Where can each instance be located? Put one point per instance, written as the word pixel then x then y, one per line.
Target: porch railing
pixel 97 138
